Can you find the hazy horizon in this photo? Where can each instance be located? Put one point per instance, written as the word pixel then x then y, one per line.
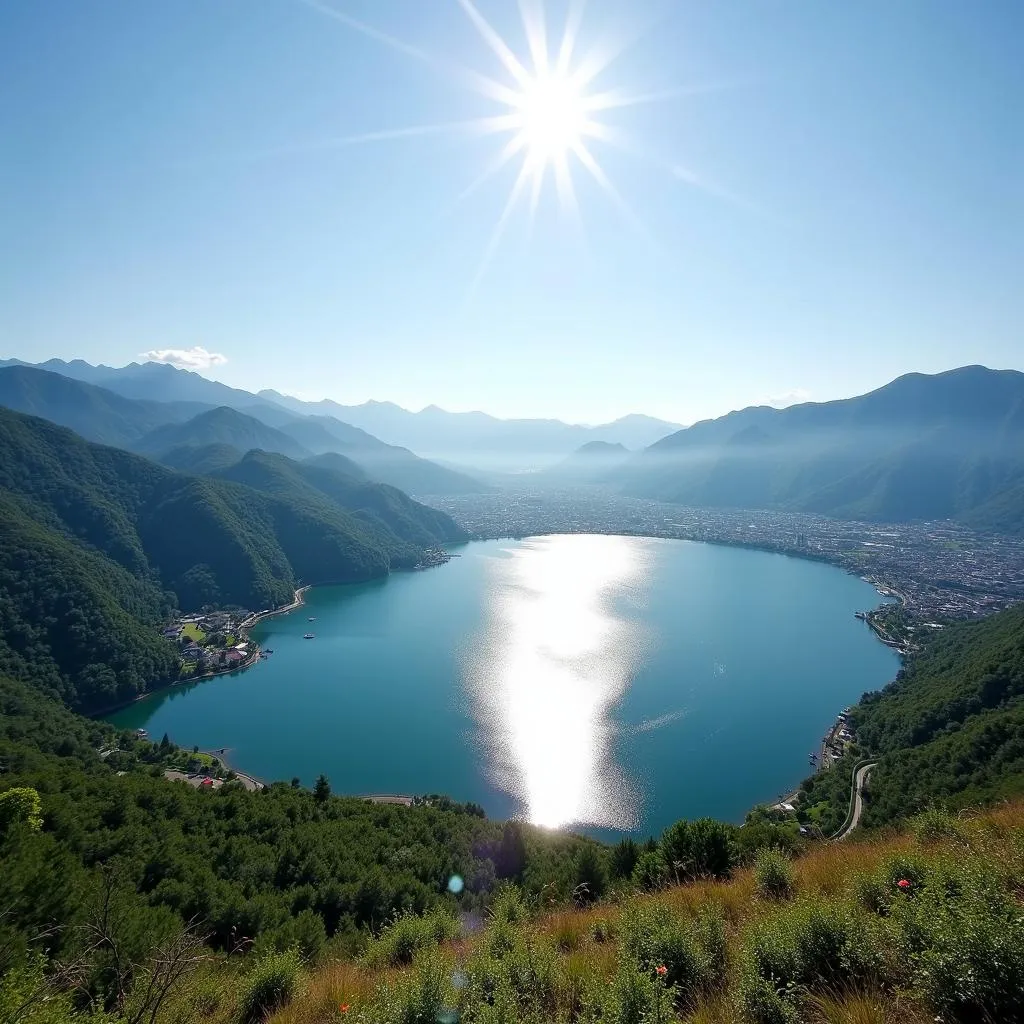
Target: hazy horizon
pixel 689 210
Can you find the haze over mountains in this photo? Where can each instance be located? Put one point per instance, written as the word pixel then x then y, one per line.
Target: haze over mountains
pixel 921 447
pixel 471 438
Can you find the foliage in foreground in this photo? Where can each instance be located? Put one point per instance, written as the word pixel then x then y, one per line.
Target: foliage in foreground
pixel 924 926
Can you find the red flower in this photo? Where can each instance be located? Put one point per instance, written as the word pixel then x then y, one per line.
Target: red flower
pixel 903 883
pixel 343 1007
pixel 661 970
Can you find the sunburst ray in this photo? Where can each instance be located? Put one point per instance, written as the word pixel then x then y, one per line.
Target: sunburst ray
pixel 551 111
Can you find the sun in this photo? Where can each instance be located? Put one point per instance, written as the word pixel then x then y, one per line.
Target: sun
pixel 551 118
pixel 548 108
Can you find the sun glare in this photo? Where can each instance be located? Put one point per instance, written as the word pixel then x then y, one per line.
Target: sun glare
pixel 548 108
pixel 552 118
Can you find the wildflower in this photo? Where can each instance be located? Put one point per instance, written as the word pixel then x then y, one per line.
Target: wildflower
pixel 903 884
pixel 661 970
pixel 343 1007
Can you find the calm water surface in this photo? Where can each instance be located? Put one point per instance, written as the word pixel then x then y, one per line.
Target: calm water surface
pixel 607 683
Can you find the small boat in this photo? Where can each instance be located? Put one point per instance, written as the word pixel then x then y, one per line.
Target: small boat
pixel 312 618
pixel 308 636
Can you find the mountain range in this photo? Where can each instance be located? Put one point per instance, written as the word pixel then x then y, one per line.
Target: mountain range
pixel 922 447
pixel 948 445
pixel 97 545
pixel 159 428
pixel 470 438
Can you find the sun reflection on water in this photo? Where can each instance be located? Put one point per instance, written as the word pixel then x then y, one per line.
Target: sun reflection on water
pixel 555 658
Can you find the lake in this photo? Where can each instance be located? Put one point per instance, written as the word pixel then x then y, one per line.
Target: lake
pixel 597 682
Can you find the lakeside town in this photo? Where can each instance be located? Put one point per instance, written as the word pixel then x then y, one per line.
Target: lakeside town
pixel 937 571
pixel 213 641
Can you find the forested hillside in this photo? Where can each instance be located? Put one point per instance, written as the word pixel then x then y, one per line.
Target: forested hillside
pixel 948 730
pixel 93 412
pixel 222 426
pixel 922 447
pixel 98 544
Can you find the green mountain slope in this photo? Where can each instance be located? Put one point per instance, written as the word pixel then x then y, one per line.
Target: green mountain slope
pixel 949 729
pixel 220 426
pixel 325 484
pixel 97 543
pixel 921 447
pixel 200 459
pixel 95 413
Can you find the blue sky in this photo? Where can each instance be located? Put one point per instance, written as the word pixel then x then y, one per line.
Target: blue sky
pixel 171 178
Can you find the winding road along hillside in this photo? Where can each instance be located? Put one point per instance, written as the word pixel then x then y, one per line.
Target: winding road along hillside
pixel 857 805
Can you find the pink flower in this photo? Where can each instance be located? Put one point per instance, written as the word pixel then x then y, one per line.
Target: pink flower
pixel 903 884
pixel 661 970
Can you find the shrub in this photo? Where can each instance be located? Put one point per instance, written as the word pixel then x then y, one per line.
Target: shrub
pixel 878 890
pixel 651 871
pixel 773 875
pixel 401 940
pixel 965 942
pixel 698 849
pixel 425 996
pixel 814 945
pixel 271 985
pixel 692 952
pixel 508 906
pixel 632 997
pixel 934 825
pixel 304 932
pixel 761 1003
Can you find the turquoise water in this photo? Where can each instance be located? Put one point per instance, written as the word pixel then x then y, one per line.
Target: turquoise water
pixel 606 683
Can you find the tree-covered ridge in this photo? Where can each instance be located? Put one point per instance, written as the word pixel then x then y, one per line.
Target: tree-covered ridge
pixel 949 729
pixel 198 436
pixel 94 412
pixel 220 426
pixel 96 545
pixel 246 863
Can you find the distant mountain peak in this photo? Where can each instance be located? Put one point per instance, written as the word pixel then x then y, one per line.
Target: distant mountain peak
pixel 599 448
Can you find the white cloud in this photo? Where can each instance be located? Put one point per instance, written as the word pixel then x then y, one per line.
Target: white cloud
pixel 793 397
pixel 195 358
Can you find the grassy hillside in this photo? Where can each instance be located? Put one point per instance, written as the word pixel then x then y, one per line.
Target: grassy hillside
pixel 96 545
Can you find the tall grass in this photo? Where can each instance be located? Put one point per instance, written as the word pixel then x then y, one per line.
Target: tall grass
pixel 831 937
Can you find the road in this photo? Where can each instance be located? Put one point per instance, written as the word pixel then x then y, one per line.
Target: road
pixel 858 800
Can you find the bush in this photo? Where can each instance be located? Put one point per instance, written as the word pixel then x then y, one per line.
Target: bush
pixel 692 952
pixel 632 998
pixel 934 825
pixel 401 940
pixel 651 871
pixel 964 938
pixel 426 996
pixel 271 985
pixel 773 875
pixel 699 849
pixel 878 890
pixel 304 932
pixel 508 906
pixel 814 945
pixel 761 1003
